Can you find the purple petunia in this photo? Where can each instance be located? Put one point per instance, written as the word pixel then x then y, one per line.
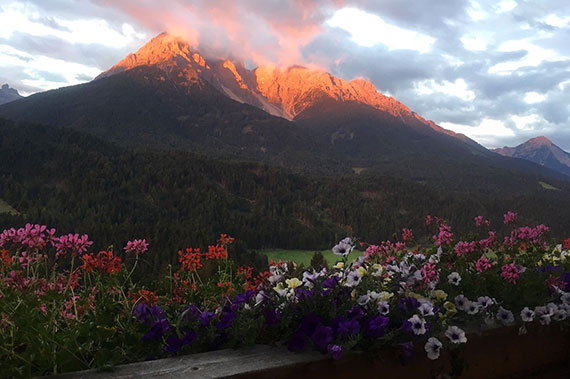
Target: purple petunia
pixel 244 297
pixel 226 320
pixel 331 282
pixel 309 323
pixel 355 313
pixel 272 316
pixel 159 328
pixel 409 304
pixel 205 317
pixel 322 336
pixel 348 327
pixel 375 326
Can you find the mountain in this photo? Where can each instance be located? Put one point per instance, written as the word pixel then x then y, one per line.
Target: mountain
pixel 542 151
pixel 8 94
pixel 284 93
pixel 167 96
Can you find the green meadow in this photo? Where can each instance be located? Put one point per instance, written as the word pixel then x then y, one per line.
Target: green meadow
pixel 304 256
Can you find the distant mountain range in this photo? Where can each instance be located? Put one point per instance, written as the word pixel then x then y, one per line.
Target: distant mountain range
pixel 542 151
pixel 8 94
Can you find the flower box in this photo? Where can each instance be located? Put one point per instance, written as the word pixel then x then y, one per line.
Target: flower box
pixel 543 352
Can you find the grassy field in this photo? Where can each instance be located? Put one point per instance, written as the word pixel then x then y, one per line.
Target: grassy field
pixel 6 208
pixel 304 256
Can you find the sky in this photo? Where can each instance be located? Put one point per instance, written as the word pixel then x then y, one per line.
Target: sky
pixel 497 71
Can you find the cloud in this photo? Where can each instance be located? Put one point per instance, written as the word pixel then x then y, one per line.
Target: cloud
pixel 497 70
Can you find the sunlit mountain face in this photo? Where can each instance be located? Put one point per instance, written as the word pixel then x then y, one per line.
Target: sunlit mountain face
pixel 282 92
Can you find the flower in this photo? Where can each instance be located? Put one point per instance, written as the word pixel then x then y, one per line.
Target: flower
pixel 432 348
pixel 426 309
pixel 510 217
pixel 159 328
pixel 484 301
pixel 385 296
pixel 461 302
pixel 383 307
pixel 455 335
pixel 505 316
pixel 293 283
pixel 322 336
pixel 375 326
pixel 511 272
pixel 472 307
pixel 527 315
pixel 72 244
pixel 418 325
pixel 439 295
pixel 335 351
pixel 483 264
pixel 344 247
pixel 136 246
pixel 353 279
pixel 454 278
pixel 346 327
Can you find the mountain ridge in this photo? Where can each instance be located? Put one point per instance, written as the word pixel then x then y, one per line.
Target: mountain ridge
pixel 540 150
pixel 282 92
pixel 8 94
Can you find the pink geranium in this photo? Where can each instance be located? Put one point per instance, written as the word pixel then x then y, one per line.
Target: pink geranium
pixel 136 246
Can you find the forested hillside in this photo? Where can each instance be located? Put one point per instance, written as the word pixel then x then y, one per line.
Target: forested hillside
pixel 79 183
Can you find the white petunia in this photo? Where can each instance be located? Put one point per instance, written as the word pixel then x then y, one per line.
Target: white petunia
pixel 426 309
pixel 353 279
pixel 527 315
pixel 343 248
pixel 484 302
pixel 383 307
pixel 565 298
pixel 461 302
pixel 418 325
pixel 454 278
pixel 559 315
pixel 432 348
pixel 455 335
pixel 505 316
pixel 363 300
pixel 543 314
pixel 472 307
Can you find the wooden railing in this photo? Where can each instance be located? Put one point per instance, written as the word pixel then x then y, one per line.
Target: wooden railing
pixel 544 352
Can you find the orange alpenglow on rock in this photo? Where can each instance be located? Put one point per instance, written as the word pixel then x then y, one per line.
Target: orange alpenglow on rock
pixel 281 92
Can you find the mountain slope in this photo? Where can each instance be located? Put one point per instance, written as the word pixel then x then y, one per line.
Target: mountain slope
pixel 281 92
pixel 8 94
pixel 541 151
pixel 165 96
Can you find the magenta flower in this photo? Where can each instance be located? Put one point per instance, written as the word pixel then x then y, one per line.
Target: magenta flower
pixel 72 244
pixel 30 237
pixel 511 272
pixel 464 248
pixel 510 218
pixel 480 220
pixel 483 264
pixel 445 237
pixel 136 246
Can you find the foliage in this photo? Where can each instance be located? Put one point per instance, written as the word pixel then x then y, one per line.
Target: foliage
pixel 64 307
